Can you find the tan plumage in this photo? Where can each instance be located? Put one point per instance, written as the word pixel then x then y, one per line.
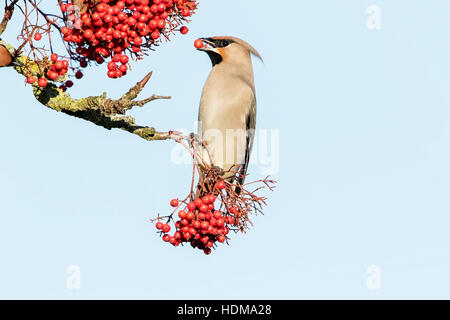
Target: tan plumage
pixel 227 113
pixel 5 57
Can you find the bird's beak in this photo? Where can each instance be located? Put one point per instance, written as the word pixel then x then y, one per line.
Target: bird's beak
pixel 208 45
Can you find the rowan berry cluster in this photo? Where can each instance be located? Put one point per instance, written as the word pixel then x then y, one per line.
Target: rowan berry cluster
pixel 56 69
pixel 117 30
pixel 200 224
pixel 110 30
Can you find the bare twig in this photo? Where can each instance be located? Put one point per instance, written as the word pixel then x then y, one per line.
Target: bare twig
pixel 9 10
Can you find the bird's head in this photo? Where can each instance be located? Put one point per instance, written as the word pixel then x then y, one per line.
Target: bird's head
pixel 227 49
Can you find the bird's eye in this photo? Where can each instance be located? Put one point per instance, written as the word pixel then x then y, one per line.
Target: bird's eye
pixel 224 43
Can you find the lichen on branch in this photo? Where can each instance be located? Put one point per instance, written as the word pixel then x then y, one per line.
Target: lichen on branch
pixel 100 110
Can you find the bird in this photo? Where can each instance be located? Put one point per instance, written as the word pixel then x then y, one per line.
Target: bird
pixel 5 57
pixel 227 111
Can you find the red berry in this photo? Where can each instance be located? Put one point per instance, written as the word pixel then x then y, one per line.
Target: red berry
pixel 111 74
pixel 88 34
pixel 42 82
pixel 192 206
pixel 217 214
pixel 53 57
pixel 220 223
pixel 159 225
pixel 220 185
pixel 79 75
pixel 52 75
pixel 166 228
pixel 138 41
pixel 65 31
pixel 124 59
pixel 112 66
pixel 37 36
pixel 164 15
pixel 221 238
pixel 182 214
pixel 187 235
pixel 174 203
pixel 123 68
pixel 31 80
pixel 166 238
pixel 184 30
pixel 198 202
pixel 190 215
pixel 185 12
pixel 198 43
pixel 101 7
pixel 59 65
pixel 116 58
pixel 204 239
pixel 161 24
pixel 206 200
pixel 205 225
pixel 69 83
pixel 234 210
pixel 155 34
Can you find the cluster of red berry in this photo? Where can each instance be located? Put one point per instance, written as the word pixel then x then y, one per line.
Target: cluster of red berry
pixel 113 29
pixel 56 69
pixel 200 224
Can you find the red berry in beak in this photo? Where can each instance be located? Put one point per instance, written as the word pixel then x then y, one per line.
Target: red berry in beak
pixel 198 43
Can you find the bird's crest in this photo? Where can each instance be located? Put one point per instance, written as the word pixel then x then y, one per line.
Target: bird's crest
pixel 243 43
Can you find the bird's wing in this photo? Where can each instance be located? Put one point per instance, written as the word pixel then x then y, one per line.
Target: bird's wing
pixel 250 126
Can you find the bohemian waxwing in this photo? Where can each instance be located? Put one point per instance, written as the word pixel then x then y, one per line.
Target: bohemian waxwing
pixel 227 113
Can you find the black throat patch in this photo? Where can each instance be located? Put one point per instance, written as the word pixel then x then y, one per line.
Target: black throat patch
pixel 215 57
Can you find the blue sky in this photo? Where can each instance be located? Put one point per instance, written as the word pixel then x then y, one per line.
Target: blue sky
pixel 364 125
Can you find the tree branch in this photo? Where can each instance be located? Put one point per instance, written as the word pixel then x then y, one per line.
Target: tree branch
pixel 9 10
pixel 100 110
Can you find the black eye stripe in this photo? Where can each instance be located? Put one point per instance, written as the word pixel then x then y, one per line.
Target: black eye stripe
pixel 223 43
